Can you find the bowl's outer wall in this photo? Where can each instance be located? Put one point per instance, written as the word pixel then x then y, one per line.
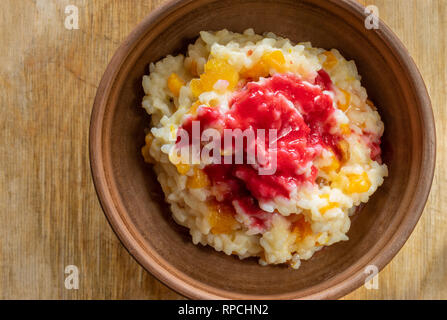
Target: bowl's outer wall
pixel 132 197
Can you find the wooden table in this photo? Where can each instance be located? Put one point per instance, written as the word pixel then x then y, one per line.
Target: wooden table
pixel 50 216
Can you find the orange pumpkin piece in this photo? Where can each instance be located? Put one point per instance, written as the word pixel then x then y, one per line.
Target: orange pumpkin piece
pixel 345 129
pixel 274 60
pixel 331 60
pixel 334 166
pixel 221 218
pixel 329 206
pixel 198 180
pixel 358 183
pixel 215 69
pixel 352 183
pixel 194 107
pixel 301 228
pixel 196 87
pixel 258 70
pixel 269 60
pixel 175 83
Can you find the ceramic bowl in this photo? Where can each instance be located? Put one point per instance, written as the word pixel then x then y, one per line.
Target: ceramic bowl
pixel 134 203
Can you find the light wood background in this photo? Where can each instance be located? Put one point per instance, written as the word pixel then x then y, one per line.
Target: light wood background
pixel 49 214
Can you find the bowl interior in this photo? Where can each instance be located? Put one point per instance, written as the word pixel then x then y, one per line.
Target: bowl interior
pixel 139 198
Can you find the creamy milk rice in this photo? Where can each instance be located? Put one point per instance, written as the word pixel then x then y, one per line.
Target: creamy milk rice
pixel 296 195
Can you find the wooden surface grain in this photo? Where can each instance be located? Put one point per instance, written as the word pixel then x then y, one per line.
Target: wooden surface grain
pixel 50 216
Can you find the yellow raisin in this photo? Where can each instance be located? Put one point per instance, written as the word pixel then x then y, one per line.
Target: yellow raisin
pixel 175 83
pixel 148 139
pixel 193 68
pixel 371 104
pixel 221 218
pixel 344 106
pixel 331 60
pixel 198 180
pixel 146 148
pixel 343 146
pixel 322 182
pixel 146 155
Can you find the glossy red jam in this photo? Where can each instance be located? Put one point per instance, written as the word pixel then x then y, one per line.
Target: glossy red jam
pixel 301 114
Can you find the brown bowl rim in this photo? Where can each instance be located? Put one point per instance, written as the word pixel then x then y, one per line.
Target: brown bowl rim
pixel 342 283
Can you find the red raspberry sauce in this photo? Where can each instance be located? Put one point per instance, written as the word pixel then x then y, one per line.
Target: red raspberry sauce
pixel 301 114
